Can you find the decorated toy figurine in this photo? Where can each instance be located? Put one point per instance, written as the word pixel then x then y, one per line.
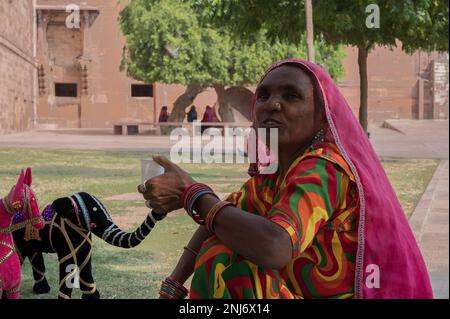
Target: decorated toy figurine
pixel 69 222
pixel 21 198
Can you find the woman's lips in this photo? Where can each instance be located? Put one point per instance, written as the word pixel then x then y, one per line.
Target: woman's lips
pixel 271 123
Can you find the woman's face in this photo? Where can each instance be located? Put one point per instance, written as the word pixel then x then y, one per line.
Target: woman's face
pixel 285 100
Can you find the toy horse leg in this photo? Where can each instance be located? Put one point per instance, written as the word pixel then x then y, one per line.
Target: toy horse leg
pixel 13 293
pixel 87 283
pixel 20 255
pixel 40 282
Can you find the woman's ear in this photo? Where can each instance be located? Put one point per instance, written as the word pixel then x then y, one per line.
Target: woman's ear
pixel 63 206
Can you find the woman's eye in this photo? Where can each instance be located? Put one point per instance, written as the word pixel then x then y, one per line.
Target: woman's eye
pixel 262 96
pixel 291 96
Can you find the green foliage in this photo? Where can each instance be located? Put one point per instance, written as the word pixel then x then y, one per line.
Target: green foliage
pixel 260 53
pixel 418 24
pixel 153 32
pixel 424 24
pixel 174 42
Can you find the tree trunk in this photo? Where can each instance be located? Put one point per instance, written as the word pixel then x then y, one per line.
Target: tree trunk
pixel 309 30
pixel 363 52
pixel 182 102
pixel 225 110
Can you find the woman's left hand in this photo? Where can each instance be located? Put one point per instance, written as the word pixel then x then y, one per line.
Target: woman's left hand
pixel 164 191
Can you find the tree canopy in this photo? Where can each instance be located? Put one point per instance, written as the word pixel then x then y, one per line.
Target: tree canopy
pixel 173 42
pixel 416 24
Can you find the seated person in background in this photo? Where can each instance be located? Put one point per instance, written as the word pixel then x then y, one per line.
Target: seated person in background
pixel 192 114
pixel 208 116
pixel 164 115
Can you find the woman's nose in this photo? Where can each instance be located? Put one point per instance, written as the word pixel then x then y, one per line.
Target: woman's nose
pixel 273 105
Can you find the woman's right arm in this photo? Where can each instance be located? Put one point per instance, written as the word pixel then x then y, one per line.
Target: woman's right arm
pixel 185 266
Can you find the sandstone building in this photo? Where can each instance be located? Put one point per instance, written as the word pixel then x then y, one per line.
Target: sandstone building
pixel 17 66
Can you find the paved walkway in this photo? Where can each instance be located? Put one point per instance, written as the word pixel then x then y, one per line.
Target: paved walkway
pixel 403 139
pixel 429 223
pixel 412 139
pixel 430 219
pixel 85 139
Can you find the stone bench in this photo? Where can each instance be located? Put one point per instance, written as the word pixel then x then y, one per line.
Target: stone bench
pixel 126 128
pixel 132 128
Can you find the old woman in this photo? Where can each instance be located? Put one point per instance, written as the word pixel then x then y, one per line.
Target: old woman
pixel 326 224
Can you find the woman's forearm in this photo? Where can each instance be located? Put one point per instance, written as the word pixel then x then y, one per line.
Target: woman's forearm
pixel 251 236
pixel 185 266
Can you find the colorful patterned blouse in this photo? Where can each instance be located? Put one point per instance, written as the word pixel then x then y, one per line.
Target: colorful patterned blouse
pixel 317 204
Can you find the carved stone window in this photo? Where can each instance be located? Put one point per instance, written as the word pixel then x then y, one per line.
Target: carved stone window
pixel 66 89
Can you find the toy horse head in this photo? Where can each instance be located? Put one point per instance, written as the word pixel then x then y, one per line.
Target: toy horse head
pixel 21 198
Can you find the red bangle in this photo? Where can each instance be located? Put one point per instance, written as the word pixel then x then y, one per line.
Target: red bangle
pixel 189 192
pixel 172 289
pixel 170 292
pixel 176 284
pixel 209 220
pixel 189 196
pixel 186 190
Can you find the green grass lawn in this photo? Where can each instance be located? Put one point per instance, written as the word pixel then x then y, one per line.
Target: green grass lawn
pixel 137 273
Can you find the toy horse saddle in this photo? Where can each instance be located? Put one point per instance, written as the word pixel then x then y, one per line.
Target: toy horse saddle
pixel 30 232
pixel 47 215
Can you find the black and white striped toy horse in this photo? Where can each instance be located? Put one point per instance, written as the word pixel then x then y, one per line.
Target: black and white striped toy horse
pixel 67 232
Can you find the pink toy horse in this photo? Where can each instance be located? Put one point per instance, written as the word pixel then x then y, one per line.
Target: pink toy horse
pixel 20 198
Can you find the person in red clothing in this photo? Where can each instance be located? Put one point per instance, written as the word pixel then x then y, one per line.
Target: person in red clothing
pixel 164 115
pixel 208 117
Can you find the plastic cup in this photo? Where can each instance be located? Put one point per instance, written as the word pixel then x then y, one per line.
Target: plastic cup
pixel 149 169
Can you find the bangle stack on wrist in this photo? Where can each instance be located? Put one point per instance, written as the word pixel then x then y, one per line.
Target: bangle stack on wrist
pixel 190 195
pixel 172 289
pixel 209 220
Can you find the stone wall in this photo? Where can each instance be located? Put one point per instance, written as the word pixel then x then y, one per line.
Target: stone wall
pixel 394 86
pixel 17 67
pixel 108 96
pixel 440 89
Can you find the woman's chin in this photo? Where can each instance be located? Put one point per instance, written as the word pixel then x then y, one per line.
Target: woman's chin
pixel 284 142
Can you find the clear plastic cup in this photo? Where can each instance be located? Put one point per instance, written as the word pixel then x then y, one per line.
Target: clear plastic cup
pixel 149 169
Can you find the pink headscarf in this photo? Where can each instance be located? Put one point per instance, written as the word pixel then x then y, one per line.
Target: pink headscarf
pixel 386 244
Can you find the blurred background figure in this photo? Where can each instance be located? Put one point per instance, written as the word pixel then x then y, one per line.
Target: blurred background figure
pixel 208 117
pixel 164 115
pixel 192 114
